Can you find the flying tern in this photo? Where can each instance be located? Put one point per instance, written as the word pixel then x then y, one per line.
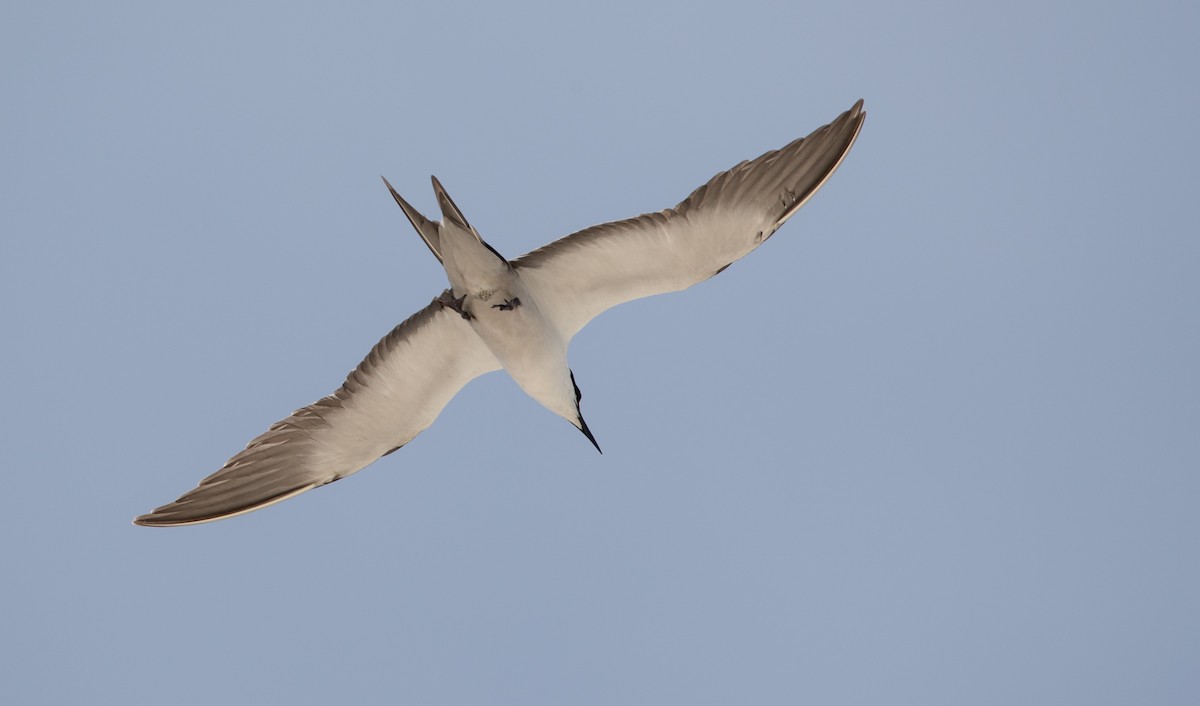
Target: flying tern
pixel 519 315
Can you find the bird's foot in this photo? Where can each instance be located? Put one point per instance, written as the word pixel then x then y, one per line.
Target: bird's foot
pixel 508 305
pixel 448 301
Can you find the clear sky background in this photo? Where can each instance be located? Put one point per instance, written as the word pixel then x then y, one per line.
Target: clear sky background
pixel 935 443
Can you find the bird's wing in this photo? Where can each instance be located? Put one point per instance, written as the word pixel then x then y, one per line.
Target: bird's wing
pixel 396 392
pixel 579 276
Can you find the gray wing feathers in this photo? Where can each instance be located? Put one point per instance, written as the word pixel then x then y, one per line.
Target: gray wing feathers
pixel 396 392
pixel 585 273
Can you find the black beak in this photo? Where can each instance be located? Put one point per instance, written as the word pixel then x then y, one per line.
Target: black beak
pixel 582 424
pixel 583 427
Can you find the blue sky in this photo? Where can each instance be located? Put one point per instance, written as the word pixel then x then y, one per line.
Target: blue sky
pixel 935 442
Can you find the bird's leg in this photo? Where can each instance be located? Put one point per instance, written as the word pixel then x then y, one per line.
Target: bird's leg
pixel 448 301
pixel 508 305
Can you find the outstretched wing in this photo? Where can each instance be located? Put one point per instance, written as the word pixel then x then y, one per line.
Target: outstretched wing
pixel 579 276
pixel 394 394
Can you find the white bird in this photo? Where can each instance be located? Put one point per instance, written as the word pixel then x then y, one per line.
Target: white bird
pixel 519 315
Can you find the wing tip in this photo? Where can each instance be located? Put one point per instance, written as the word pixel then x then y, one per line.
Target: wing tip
pixel 855 117
pixel 176 514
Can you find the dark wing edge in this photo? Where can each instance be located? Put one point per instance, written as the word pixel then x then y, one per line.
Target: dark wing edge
pixel 817 155
pixel 309 449
pixel 583 274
